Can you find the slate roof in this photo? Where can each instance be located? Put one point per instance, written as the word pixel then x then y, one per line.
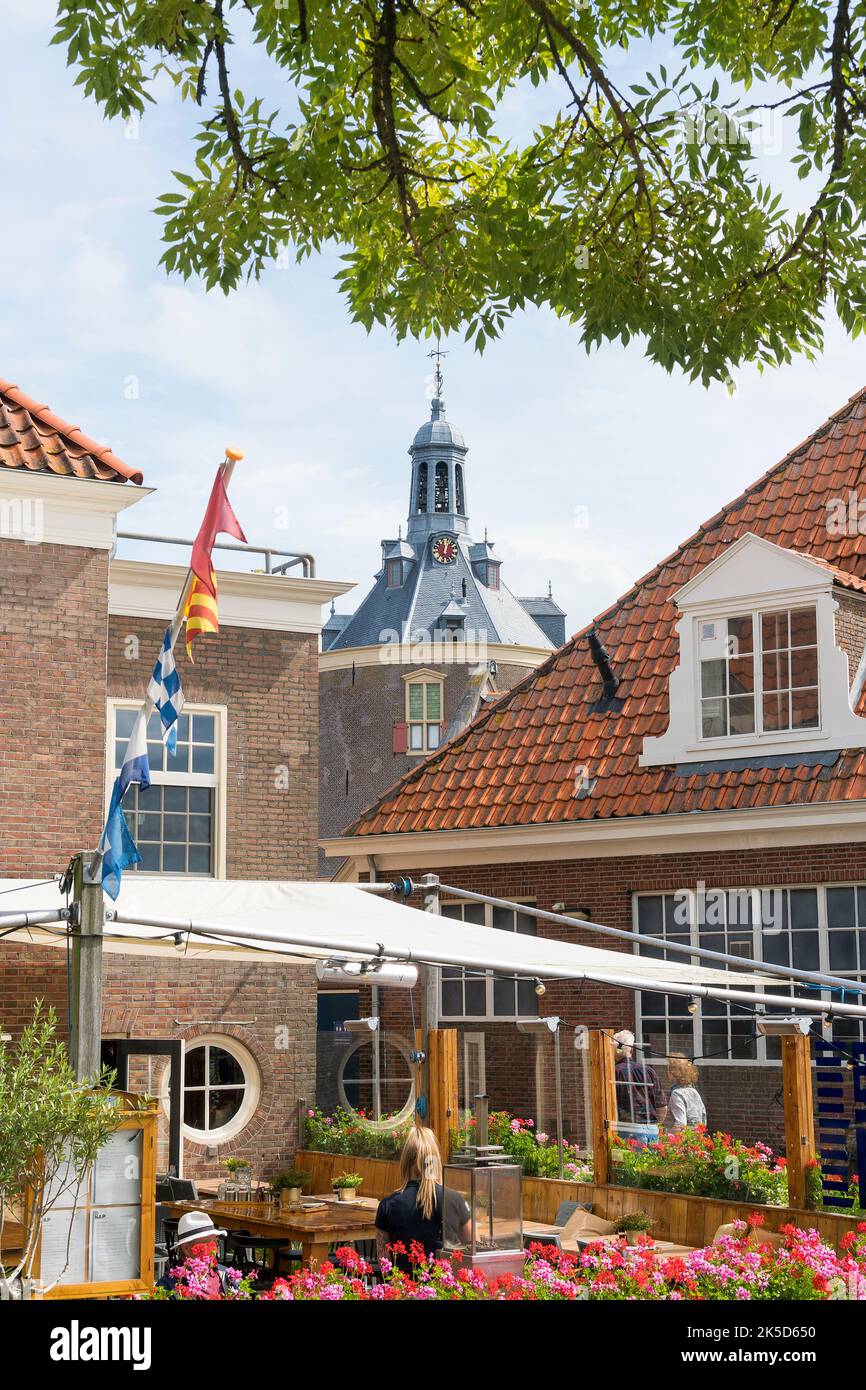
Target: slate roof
pixel 493 615
pixel 518 761
pixel 34 439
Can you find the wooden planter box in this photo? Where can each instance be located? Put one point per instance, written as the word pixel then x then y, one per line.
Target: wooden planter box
pixel 683 1218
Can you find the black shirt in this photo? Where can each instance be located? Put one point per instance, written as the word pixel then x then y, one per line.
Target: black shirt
pixel 401 1219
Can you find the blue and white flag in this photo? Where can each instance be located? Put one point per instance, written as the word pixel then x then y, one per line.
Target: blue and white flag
pixel 119 850
pixel 165 692
pixel 118 847
pixel 135 767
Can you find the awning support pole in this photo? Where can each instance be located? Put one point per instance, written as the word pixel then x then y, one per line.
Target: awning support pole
pixel 602 1062
pixel 799 1115
pixel 85 1010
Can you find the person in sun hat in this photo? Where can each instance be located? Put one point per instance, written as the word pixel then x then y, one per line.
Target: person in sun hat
pixel 640 1100
pixel 197 1239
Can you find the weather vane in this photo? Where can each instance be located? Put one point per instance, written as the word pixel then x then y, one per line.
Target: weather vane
pixel 438 354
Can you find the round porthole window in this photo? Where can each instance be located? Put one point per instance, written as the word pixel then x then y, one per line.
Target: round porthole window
pixel 221 1089
pixel 357 1087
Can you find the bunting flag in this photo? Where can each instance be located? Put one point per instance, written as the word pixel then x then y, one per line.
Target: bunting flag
pixel 202 612
pixel 218 519
pixel 165 692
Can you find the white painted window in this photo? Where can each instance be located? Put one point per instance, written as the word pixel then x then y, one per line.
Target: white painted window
pixel 810 928
pixel 424 713
pixel 760 671
pixel 763 686
pixel 473 994
pixel 221 1088
pixel 178 823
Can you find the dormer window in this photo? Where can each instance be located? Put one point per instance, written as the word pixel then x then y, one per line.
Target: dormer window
pixel 761 670
pixel 490 574
pixel 394 574
pixel 768 687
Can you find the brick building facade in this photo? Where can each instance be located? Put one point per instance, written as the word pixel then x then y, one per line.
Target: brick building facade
pixel 700 747
pixel 79 633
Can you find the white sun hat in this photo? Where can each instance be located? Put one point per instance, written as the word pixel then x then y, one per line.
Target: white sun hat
pixel 196 1226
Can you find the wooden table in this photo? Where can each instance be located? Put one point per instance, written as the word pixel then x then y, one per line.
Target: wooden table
pixel 314 1231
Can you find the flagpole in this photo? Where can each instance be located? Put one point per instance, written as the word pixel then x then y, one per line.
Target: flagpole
pixel 225 471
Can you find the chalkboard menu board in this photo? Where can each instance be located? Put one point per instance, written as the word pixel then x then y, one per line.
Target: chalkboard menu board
pixel 96 1238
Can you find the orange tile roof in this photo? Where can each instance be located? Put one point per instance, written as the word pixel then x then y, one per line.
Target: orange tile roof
pixel 33 438
pixel 517 761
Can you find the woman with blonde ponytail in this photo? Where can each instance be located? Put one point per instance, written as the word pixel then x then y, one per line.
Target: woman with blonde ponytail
pixel 414 1213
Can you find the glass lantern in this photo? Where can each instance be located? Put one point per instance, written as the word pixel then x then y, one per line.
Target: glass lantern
pixel 483 1205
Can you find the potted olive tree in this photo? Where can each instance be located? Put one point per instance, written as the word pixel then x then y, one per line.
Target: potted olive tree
pixel 52 1127
pixel 346 1185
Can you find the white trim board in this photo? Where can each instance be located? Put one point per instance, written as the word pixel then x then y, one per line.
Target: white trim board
pixel 422 653
pixel 142 589
pixel 71 511
pixel 824 823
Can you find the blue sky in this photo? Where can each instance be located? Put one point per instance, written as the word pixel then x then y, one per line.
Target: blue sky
pixel 324 412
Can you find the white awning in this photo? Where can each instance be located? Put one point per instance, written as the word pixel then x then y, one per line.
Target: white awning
pixel 264 920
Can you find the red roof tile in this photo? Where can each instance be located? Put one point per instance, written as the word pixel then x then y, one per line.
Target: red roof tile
pixel 33 438
pixel 518 760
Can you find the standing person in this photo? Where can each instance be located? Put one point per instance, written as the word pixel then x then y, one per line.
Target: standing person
pixel 640 1099
pixel 415 1211
pixel 686 1104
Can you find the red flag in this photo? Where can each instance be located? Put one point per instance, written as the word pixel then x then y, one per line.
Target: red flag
pixel 219 518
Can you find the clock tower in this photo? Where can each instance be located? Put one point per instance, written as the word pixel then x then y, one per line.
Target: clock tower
pixel 437 635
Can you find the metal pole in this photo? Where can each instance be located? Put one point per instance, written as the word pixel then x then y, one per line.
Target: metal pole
pixel 430 884
pixel 375 950
pixel 377 1053
pixel 85 1018
pixel 787 972
pixel 557 1060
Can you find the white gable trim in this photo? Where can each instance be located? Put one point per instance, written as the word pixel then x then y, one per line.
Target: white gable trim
pixel 57 509
pixel 754 574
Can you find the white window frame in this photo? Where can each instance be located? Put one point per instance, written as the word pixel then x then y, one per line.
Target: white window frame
pixel 755 576
pixel 423 678
pixel 252 1089
pixel 489 1016
pixel 759 734
pixel 218 780
pixel 779 982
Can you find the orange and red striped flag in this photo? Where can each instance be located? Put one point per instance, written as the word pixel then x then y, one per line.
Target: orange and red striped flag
pixel 202 612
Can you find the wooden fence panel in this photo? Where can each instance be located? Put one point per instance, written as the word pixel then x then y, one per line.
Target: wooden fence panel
pixel 687 1219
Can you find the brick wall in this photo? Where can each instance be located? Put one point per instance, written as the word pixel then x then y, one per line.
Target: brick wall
pixel 267 680
pixel 53 624
pixel 851 627
pixel 741 1098
pixel 358 710
pixel 61 657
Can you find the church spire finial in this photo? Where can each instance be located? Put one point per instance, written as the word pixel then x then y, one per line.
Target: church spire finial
pixel 438 380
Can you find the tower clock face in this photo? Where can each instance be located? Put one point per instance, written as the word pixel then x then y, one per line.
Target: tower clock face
pixel 444 550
